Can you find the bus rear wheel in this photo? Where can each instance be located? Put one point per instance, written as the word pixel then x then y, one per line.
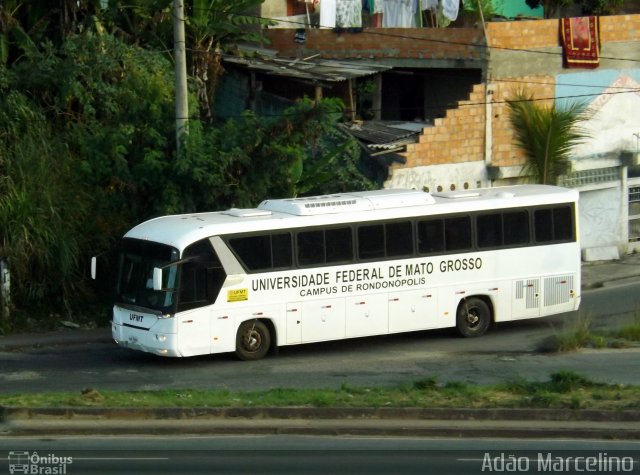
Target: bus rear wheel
pixel 473 317
pixel 253 340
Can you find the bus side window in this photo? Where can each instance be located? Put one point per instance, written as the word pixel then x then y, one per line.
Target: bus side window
pixel 254 251
pixel 371 242
pixel 263 252
pixel 332 245
pixel 200 278
pixel 516 227
pixel 339 245
pixel 281 250
pixel 399 239
pixel 489 230
pixel 543 225
pixel 430 236
pixel 457 233
pixel 310 248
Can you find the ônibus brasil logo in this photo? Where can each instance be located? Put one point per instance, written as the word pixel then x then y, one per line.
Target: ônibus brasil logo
pixel 22 461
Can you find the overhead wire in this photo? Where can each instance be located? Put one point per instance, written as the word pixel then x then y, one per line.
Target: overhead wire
pixel 610 89
pixel 374 31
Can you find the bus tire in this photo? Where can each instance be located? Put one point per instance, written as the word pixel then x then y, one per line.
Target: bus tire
pixel 473 317
pixel 253 340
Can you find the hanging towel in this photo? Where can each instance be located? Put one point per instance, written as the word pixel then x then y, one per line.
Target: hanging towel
pixel 328 14
pixel 580 42
pixel 349 13
pixel 398 14
pixel 429 4
pixel 450 9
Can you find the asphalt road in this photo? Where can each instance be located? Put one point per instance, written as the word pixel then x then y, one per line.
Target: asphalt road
pixel 507 352
pixel 321 455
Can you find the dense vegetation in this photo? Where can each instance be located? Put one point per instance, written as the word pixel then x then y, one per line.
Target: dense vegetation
pixel 88 148
pixel 87 137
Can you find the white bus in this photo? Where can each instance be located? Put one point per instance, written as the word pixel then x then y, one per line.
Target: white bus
pixel 346 265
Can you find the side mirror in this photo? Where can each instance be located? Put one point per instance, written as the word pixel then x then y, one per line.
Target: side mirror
pixel 94 267
pixel 157 278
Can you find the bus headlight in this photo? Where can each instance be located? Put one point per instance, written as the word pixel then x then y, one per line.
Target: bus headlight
pixel 160 337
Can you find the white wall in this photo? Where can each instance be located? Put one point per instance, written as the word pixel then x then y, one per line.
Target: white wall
pixel 474 174
pixel 602 219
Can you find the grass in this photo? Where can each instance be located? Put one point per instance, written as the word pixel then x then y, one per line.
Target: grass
pixel 578 333
pixel 564 389
pixel 629 332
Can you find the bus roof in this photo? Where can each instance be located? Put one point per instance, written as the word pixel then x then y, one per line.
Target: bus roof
pixel 182 230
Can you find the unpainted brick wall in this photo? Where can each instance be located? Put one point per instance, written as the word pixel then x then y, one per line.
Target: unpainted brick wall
pixel 371 43
pixel 460 135
pixel 546 33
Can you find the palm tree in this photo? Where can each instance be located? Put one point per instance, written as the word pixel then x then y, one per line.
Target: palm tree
pixel 546 135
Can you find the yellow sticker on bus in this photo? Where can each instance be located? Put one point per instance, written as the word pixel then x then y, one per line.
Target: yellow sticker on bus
pixel 237 295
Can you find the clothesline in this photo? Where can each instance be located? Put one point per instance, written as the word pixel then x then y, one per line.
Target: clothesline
pixel 385 13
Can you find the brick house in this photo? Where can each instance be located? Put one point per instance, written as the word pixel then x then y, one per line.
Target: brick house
pixel 456 80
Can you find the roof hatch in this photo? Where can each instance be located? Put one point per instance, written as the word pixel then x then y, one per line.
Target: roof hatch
pixel 246 212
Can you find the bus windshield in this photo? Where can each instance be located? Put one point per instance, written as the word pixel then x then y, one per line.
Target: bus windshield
pixel 134 287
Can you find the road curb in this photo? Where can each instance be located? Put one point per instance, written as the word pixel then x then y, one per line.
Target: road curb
pixel 399 422
pixel 327 427
pixel 331 413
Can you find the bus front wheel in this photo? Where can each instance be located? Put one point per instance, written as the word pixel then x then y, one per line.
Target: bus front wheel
pixel 253 340
pixel 473 317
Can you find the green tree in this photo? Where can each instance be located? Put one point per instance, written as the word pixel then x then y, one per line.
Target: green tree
pixel 546 135
pixel 26 24
pixel 555 8
pixel 84 158
pixel 215 27
pixel 113 104
pixel 601 7
pixel 87 146
pixel 42 211
pixel 487 7
pixel 251 158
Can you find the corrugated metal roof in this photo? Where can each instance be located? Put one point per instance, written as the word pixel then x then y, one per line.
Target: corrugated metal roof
pixel 311 69
pixel 385 136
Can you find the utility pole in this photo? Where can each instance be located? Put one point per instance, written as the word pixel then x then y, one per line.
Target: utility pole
pixel 488 95
pixel 5 289
pixel 180 60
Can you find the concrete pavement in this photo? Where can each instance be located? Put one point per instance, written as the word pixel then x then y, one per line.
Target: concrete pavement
pixel 600 273
pixel 463 422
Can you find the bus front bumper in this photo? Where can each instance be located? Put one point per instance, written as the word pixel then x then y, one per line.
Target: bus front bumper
pixel 163 344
